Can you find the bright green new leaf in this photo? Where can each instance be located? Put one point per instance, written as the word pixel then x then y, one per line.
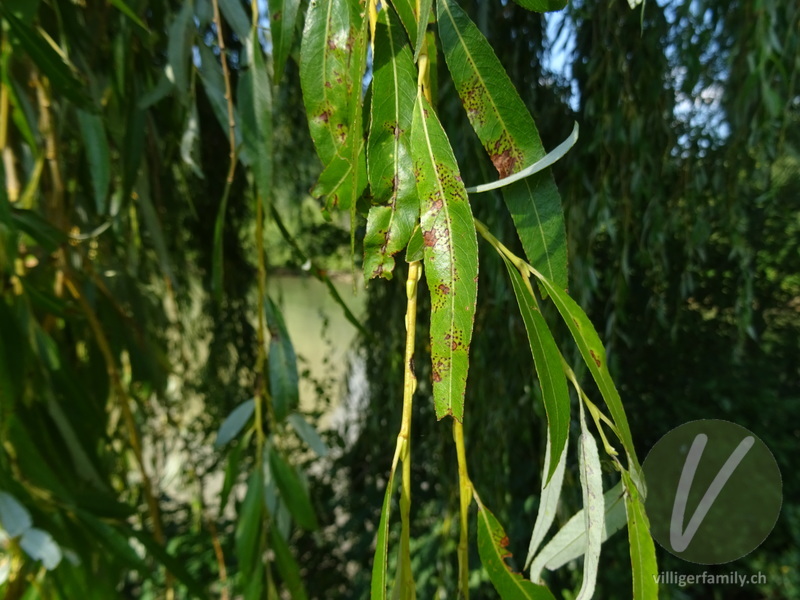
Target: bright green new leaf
pixel 547 360
pixel 492 548
pixel 287 566
pixel 509 135
pixel 380 563
pixel 389 164
pixel 249 523
pixel 450 255
pixel 97 155
pixel 643 551
pixel 282 23
pixel 594 355
pixel 542 5
pixel 283 378
pixel 292 491
pixel 570 541
pixel 593 507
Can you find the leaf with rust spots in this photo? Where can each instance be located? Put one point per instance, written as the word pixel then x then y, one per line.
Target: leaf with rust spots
pixel 389 164
pixel 450 255
pixel 332 64
pixel 510 138
pixel 492 548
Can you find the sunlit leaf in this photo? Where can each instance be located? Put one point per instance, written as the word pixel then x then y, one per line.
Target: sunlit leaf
pixel 389 163
pixel 423 16
pixel 406 10
pixel 509 135
pixel 548 500
pixel 594 355
pixel 547 359
pixel 643 551
pixel 451 253
pixel 492 548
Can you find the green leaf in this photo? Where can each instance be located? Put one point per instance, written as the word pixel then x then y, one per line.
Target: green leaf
pixel 179 47
pixel 332 63
pixel 509 135
pixel 548 500
pixel 235 422
pixel 594 355
pixel 308 434
pixel 451 257
pixel 389 163
pixel 255 108
pixel 283 378
pixel 492 544
pixel 122 7
pixel 380 563
pixel 416 246
pixel 249 524
pixel 643 551
pixel 234 14
pixel 570 541
pixel 48 60
pixel 292 491
pixel 422 25
pixel 232 470
pixel 407 13
pixel 287 565
pixel 97 154
pixel 593 507
pixel 547 359
pixel 282 21
pixel 542 5
pixel 39 229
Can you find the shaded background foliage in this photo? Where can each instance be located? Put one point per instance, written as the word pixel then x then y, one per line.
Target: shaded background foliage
pixel 683 207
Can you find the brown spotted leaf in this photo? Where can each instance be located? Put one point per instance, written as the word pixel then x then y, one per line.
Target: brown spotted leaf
pixel 509 135
pixel 450 251
pixel 492 548
pixel 389 165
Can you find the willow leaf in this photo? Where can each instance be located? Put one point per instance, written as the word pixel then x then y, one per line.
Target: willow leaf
pixel 282 21
pixel 97 155
pixel 287 566
pixel 547 360
pixel 283 377
pixel 594 355
pixel 450 257
pixel 593 507
pixel 292 491
pixel 492 544
pixel 389 164
pixel 548 501
pixel 380 564
pixel 423 17
pixel 570 541
pixel 406 10
pixel 509 135
pixel 643 551
pixel 542 5
pixel 255 108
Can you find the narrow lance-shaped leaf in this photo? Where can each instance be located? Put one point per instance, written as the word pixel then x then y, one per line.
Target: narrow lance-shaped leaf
pixel 547 360
pixel 283 378
pixel 332 63
pixel 97 154
pixel 179 47
pixel 570 541
pixel 249 523
pixel 542 5
pixel 593 507
pixel 509 135
pixel 292 491
pixel 450 257
pixel 380 564
pixel 594 355
pixel 548 500
pixel 643 551
pixel 282 21
pixel 492 548
pixel 389 163
pixel 406 10
pixel 422 24
pixel 287 566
